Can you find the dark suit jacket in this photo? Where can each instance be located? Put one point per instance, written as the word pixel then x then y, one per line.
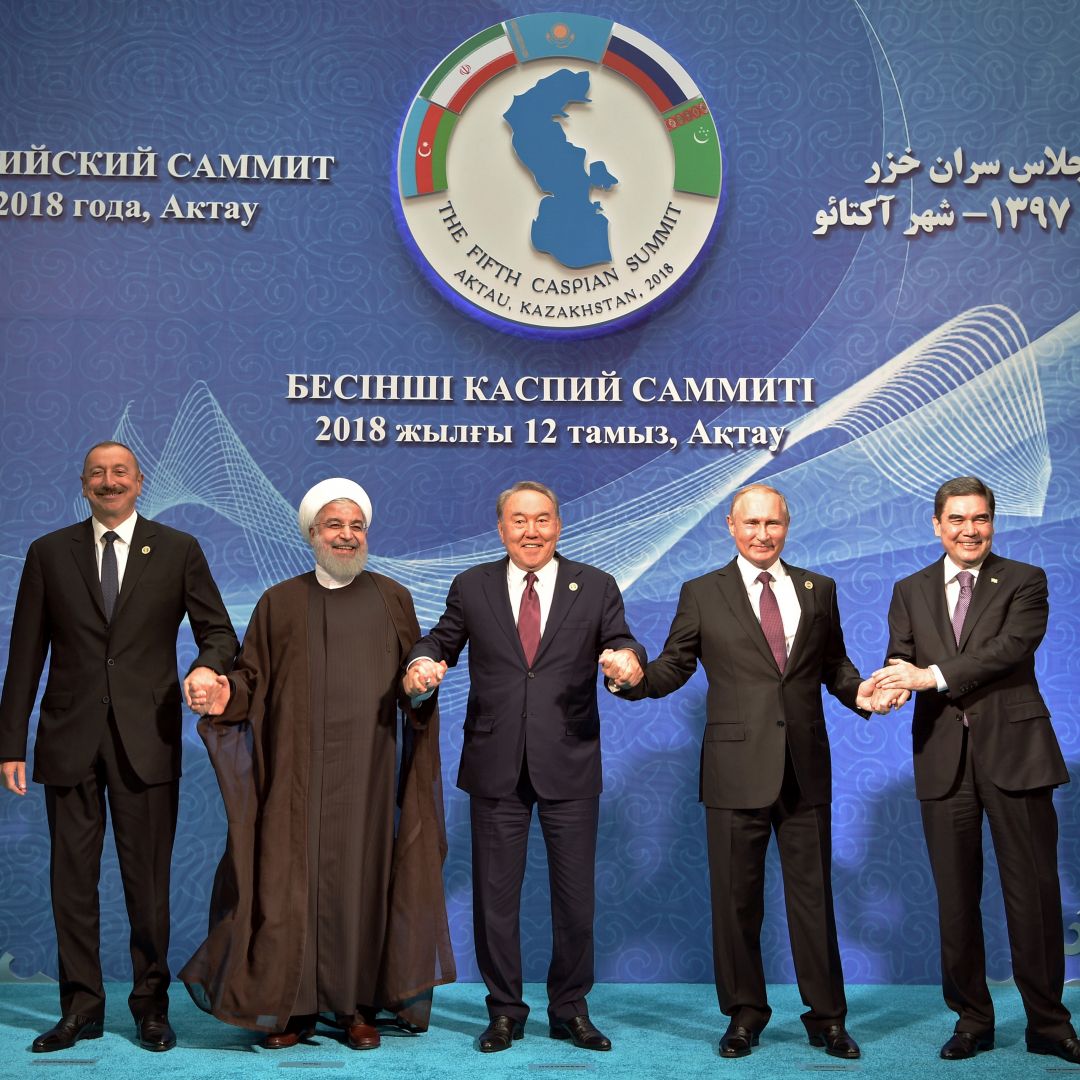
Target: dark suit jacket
pixel 550 708
pixel 990 675
pixel 752 711
pixel 128 665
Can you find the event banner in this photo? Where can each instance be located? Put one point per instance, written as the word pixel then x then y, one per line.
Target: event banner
pixel 643 252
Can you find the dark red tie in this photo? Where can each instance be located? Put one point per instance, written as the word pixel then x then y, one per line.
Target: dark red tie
pixel 529 619
pixel 772 624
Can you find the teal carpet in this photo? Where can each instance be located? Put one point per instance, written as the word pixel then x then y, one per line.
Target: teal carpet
pixel 667 1031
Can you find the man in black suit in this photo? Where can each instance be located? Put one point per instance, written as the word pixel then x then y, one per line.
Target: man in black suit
pixel 768 635
pixel 106 598
pixel 963 634
pixel 536 623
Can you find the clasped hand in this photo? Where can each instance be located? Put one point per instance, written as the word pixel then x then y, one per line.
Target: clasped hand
pixel 622 667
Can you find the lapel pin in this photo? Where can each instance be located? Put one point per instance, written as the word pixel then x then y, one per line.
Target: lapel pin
pixel 808 584
pixel 573 586
pixel 146 550
pixel 993 581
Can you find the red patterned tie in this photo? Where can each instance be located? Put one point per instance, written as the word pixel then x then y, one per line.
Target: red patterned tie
pixel 529 619
pixel 772 625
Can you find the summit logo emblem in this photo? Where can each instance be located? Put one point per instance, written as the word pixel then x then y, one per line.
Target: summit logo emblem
pixel 559 175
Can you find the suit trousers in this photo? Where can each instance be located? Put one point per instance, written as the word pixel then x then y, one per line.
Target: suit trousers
pixel 1024 831
pixel 500 834
pixel 737 843
pixel 144 825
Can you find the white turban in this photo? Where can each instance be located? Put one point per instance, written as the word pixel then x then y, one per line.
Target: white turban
pixel 328 491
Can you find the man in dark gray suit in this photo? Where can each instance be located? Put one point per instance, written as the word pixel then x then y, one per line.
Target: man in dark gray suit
pixel 768 635
pixel 963 634
pixel 536 624
pixel 106 598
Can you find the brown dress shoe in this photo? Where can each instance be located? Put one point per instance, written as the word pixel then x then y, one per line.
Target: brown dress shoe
pixel 155 1032
pixel 296 1030
pixel 67 1032
pixel 360 1035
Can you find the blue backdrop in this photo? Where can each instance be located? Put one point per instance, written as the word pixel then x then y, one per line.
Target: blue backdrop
pixel 936 347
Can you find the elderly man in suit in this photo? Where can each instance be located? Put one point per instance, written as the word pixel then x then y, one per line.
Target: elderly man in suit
pixel 963 634
pixel 768 635
pixel 536 624
pixel 106 598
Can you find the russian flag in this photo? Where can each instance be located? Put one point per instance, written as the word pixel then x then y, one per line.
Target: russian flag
pixel 656 72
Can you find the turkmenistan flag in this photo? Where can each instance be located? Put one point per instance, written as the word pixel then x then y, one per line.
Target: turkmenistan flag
pixel 422 151
pixel 468 67
pixel 697 148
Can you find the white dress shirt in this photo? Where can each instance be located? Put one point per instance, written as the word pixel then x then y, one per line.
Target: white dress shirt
pixel 952 597
pixel 783 589
pixel 544 586
pixel 121 545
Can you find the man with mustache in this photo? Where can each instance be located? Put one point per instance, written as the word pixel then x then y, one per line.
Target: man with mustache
pixel 768 635
pixel 106 598
pixel 318 907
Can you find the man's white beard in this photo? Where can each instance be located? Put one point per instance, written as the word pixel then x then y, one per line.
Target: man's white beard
pixel 343 570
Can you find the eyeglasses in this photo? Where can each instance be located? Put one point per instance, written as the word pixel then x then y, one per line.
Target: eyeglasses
pixel 335 526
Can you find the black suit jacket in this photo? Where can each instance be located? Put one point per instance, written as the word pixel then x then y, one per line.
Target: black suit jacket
pixel 128 665
pixel 551 707
pixel 990 677
pixel 752 711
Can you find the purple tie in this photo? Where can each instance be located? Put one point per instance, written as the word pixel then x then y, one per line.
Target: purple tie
pixel 963 602
pixel 529 619
pixel 772 625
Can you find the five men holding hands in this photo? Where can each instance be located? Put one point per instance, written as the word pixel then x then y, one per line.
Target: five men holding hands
pixel 329 901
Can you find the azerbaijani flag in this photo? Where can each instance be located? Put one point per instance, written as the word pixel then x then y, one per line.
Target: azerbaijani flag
pixel 468 67
pixel 697 148
pixel 557 33
pixel 422 154
pixel 644 63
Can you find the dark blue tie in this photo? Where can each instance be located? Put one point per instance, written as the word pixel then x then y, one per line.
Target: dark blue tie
pixel 110 577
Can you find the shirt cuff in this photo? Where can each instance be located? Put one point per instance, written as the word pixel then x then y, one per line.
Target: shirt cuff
pixel 942 685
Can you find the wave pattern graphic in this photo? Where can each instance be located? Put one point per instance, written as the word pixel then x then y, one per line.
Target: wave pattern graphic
pixel 906 425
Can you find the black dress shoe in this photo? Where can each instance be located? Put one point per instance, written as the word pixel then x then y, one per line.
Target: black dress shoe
pixel 155 1033
pixel 737 1041
pixel 836 1041
pixel 1066 1049
pixel 965 1044
pixel 67 1033
pixel 499 1034
pixel 580 1031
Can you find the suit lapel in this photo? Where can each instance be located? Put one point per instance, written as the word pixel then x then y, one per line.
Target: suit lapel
pixel 498 598
pixel 82 549
pixel 804 593
pixel 567 590
pixel 733 591
pixel 139 556
pixel 932 589
pixel 985 586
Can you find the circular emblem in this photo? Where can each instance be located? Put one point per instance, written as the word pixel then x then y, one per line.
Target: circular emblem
pixel 559 174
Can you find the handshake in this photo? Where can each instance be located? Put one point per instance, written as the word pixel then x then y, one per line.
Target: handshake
pixel 620 666
pixel 890 687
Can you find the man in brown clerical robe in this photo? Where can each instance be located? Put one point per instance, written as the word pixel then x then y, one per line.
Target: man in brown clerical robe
pixel 319 905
